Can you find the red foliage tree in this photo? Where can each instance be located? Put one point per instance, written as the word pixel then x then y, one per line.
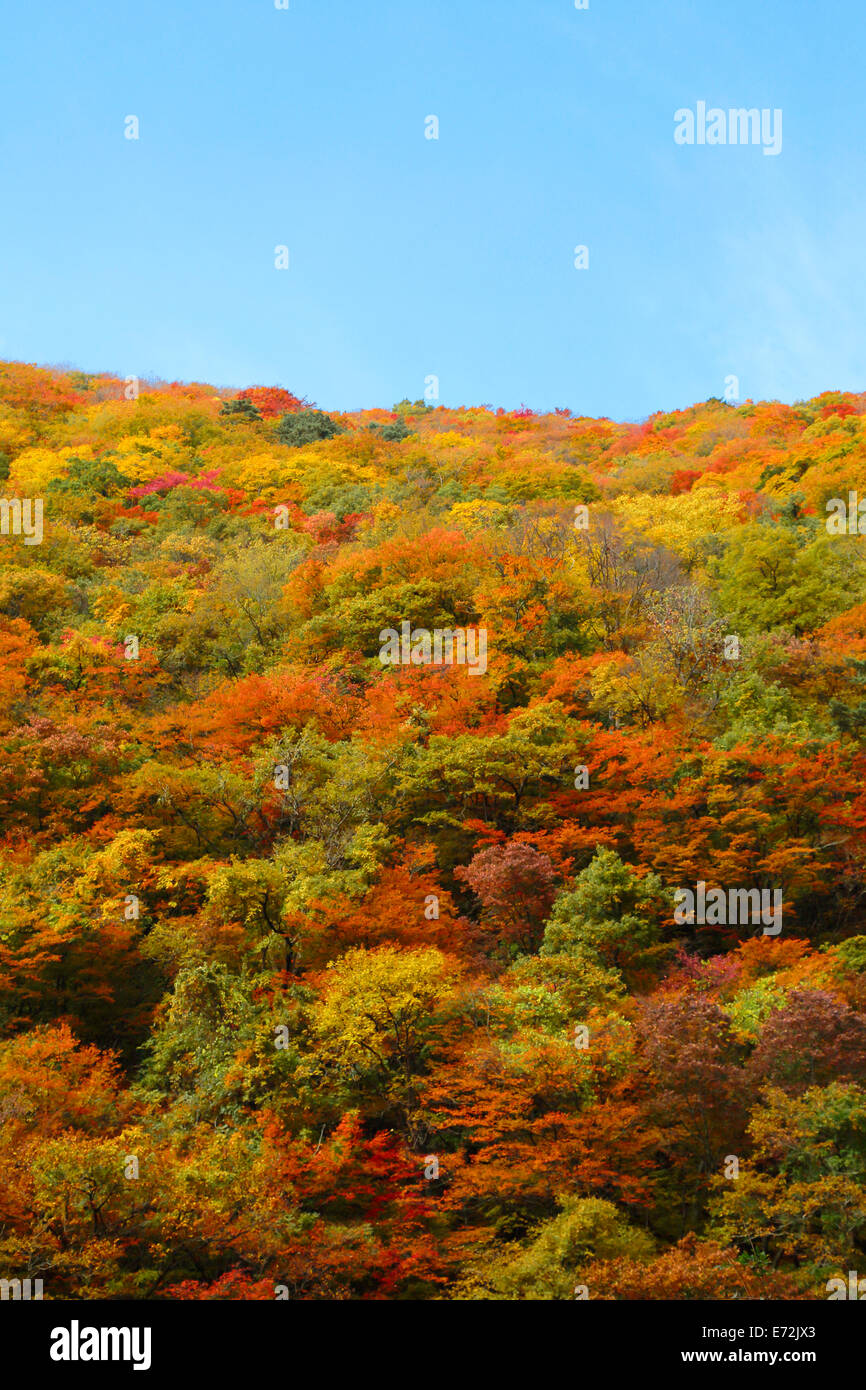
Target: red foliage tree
pixel 271 401
pixel 516 887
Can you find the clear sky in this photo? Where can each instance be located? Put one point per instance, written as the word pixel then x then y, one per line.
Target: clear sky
pixel 410 257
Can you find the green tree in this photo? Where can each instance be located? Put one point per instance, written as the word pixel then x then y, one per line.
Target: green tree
pixel 610 916
pixel 240 409
pixel 306 427
pixel 768 579
pixel 550 1267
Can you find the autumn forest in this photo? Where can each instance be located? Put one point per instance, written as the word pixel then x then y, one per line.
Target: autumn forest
pixel 432 847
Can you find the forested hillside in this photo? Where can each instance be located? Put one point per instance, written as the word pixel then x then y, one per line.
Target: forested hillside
pixel 369 781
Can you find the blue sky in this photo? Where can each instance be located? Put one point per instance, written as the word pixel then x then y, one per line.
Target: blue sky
pixel 452 257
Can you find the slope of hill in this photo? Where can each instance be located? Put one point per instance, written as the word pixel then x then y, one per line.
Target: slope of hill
pixel 433 847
